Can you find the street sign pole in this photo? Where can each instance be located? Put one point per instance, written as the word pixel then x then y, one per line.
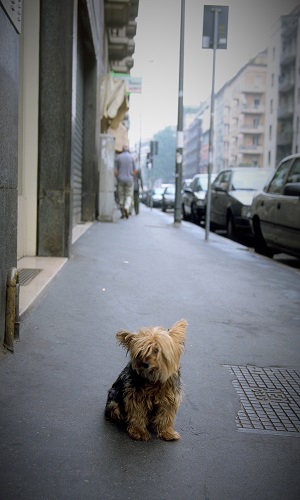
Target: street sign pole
pixel 179 145
pixel 215 25
pixel 211 129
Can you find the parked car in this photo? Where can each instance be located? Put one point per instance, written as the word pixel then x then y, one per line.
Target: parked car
pixel 143 195
pixel 193 198
pixel 275 211
pixel 154 197
pixel 168 198
pixel 232 193
pixel 186 183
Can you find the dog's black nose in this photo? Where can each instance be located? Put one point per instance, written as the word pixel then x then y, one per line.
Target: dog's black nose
pixel 145 365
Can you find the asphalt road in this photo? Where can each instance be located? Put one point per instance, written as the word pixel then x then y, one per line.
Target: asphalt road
pixel 239 419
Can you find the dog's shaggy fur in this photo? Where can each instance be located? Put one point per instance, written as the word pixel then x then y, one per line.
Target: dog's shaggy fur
pixel 148 390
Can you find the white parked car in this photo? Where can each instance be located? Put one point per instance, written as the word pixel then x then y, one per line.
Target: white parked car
pixel 275 211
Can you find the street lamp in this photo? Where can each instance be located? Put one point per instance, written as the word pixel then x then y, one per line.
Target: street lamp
pixel 179 146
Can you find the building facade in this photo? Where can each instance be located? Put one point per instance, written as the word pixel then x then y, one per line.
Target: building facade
pixel 239 122
pixel 243 107
pixel 257 112
pixel 192 149
pixel 54 58
pixel 288 122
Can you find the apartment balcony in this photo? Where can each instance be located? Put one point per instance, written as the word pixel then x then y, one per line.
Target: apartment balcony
pixel 123 66
pixel 285 138
pixel 116 13
pixel 289 26
pixel 252 109
pixel 119 13
pixel 254 89
pixel 133 9
pixel 119 47
pixel 251 129
pixel 251 149
pixel 285 113
pixel 286 85
pixel 131 29
pixel 121 28
pixel 288 57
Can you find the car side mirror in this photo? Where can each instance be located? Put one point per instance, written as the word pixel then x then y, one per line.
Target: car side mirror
pixel 292 189
pixel 220 188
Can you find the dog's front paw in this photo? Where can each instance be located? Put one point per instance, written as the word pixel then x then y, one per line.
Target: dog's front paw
pixel 138 434
pixel 169 435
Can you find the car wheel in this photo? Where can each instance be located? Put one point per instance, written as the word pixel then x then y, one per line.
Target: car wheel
pixel 193 214
pixel 231 232
pixel 184 216
pixel 260 245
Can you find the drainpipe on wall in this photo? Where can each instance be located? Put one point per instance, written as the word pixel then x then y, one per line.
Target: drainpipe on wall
pixel 11 310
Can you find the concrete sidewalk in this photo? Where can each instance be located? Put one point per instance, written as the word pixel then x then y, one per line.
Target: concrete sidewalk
pixel 239 419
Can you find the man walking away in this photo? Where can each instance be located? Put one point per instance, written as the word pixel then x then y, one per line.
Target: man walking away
pixel 125 170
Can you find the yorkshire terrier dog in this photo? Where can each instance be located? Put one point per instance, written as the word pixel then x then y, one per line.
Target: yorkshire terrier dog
pixel 148 390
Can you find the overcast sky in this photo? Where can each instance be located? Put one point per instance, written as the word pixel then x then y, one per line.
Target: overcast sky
pixel 156 57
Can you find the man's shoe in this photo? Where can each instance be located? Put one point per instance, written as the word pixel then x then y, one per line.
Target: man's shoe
pixel 126 212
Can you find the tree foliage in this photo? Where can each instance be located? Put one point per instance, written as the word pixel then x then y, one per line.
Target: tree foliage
pixel 165 161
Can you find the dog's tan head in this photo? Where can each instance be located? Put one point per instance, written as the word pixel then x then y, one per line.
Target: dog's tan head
pixel 155 352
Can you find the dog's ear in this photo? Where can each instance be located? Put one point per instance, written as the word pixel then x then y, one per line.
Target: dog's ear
pixel 178 331
pixel 124 338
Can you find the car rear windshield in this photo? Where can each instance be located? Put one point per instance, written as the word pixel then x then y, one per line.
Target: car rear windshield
pixel 250 179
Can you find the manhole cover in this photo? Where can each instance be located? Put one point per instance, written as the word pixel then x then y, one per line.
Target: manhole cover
pixel 27 275
pixel 269 398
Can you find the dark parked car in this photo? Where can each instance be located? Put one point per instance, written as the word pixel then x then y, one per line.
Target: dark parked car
pixel 232 193
pixel 154 197
pixel 193 198
pixel 168 198
pixel 275 211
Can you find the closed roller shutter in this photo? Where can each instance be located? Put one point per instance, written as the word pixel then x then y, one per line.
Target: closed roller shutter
pixel 78 139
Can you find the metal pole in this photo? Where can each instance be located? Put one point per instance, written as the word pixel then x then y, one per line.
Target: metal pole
pixel 10 310
pixel 151 185
pixel 140 143
pixel 211 130
pixel 179 146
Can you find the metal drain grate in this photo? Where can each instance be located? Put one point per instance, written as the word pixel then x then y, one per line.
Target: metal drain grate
pixel 269 397
pixel 27 275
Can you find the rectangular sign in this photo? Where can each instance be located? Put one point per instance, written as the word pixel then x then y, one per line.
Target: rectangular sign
pixel 133 83
pixel 210 11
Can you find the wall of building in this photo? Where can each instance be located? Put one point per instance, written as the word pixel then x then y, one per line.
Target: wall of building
pixel 9 69
pixel 68 123
pixel 28 128
pixel 50 121
pixel 257 113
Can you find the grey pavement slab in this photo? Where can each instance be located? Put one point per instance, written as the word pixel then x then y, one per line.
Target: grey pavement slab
pixel 243 314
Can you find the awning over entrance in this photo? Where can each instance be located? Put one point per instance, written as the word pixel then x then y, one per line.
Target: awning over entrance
pixel 113 102
pixel 121 137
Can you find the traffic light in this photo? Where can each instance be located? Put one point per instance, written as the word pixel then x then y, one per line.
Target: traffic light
pixel 149 161
pixel 154 148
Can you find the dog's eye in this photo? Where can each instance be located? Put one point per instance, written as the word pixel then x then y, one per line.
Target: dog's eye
pixel 155 350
